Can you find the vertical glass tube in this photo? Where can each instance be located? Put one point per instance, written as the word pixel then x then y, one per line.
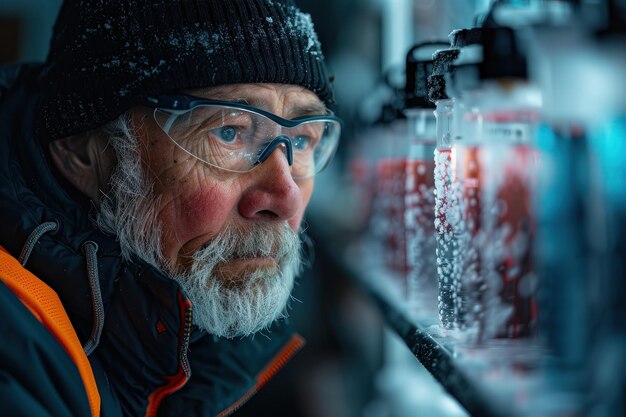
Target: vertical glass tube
pixel 467 228
pixel 446 215
pixel 391 179
pixel 419 213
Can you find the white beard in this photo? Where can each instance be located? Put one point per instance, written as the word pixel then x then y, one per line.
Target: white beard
pixel 227 306
pixel 235 306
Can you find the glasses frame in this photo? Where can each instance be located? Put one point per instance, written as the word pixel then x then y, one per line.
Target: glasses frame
pixel 184 102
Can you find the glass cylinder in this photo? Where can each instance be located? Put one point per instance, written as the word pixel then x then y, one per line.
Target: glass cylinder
pixel 419 213
pixel 447 215
pixel 390 200
pixel 497 174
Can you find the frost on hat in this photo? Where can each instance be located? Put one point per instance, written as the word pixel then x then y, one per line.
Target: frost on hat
pixel 106 56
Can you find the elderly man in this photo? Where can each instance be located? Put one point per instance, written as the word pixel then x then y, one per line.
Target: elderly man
pixel 154 173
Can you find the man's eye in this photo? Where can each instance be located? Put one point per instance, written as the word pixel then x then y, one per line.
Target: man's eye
pixel 301 142
pixel 226 134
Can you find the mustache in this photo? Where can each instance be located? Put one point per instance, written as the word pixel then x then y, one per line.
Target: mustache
pixel 250 241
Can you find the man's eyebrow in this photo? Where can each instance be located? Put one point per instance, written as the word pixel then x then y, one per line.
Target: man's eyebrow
pixel 311 109
pixel 232 98
pixel 297 110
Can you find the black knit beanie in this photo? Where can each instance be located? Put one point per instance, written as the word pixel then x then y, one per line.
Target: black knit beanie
pixel 106 56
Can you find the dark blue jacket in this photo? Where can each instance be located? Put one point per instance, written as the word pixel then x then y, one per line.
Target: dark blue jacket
pixel 148 356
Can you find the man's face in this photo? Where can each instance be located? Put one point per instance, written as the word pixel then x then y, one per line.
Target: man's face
pixel 229 239
pixel 197 201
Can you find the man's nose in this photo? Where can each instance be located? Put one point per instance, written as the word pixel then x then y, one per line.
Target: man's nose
pixel 271 193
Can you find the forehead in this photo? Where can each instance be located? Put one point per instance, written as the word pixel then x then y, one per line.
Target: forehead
pixel 284 98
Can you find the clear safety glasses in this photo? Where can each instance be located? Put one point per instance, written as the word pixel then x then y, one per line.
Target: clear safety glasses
pixel 238 137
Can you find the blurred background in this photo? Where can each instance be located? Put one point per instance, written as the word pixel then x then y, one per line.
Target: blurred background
pixel 520 139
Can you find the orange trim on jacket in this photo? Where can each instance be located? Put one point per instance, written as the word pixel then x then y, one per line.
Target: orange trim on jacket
pixel 175 382
pixel 45 305
pixel 287 352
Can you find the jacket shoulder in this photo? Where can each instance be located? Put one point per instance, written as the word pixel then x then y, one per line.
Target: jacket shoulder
pixel 37 377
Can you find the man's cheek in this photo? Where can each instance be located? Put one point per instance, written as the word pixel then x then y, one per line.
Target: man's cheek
pixel 203 213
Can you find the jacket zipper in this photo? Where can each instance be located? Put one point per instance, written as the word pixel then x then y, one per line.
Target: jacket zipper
pixel 175 382
pixel 276 364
